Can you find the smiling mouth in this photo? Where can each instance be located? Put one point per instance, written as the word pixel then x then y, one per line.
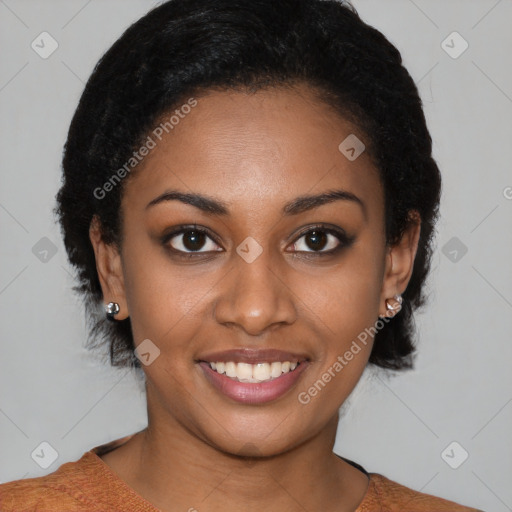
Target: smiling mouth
pixel 253 373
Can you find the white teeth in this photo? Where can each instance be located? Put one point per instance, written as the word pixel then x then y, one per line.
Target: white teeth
pixel 259 372
pixel 275 369
pixel 231 369
pixel 243 371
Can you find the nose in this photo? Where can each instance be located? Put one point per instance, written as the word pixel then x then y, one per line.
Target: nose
pixel 255 296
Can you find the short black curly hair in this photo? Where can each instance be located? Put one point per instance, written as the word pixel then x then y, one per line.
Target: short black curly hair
pixel 183 47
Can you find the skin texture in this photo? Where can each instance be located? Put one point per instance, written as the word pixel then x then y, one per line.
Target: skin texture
pixel 255 153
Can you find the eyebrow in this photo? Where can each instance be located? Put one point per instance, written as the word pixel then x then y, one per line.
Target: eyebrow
pixel 299 205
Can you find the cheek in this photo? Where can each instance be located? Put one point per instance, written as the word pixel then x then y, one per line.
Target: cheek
pixel 166 300
pixel 345 298
pixel 343 307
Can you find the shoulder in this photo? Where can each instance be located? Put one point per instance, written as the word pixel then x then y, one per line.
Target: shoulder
pixel 64 489
pixel 393 497
pixel 83 485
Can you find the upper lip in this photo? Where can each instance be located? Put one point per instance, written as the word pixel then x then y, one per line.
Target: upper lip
pixel 252 356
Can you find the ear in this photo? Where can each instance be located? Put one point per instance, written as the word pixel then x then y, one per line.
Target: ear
pixel 399 263
pixel 109 268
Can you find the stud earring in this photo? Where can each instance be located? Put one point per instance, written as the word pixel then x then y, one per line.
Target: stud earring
pixel 112 309
pixel 395 308
pixel 399 299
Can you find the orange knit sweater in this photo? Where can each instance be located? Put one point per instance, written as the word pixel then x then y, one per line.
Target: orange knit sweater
pixel 89 485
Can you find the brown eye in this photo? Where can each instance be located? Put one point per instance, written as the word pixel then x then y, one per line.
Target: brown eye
pixel 190 240
pixel 316 240
pixel 193 240
pixel 320 240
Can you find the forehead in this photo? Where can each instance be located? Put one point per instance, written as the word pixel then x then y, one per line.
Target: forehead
pixel 254 148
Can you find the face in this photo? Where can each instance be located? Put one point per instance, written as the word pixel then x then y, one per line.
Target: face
pixel 253 269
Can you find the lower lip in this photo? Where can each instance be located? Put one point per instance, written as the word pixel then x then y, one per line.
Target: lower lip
pixel 252 392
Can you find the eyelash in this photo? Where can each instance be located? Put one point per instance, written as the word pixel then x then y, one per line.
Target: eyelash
pixel 344 240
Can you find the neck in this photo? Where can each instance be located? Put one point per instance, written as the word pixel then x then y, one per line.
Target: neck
pixel 176 470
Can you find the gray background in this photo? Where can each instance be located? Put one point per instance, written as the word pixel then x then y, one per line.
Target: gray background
pixel 52 389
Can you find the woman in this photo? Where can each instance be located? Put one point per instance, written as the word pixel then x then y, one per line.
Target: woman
pixel 234 196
